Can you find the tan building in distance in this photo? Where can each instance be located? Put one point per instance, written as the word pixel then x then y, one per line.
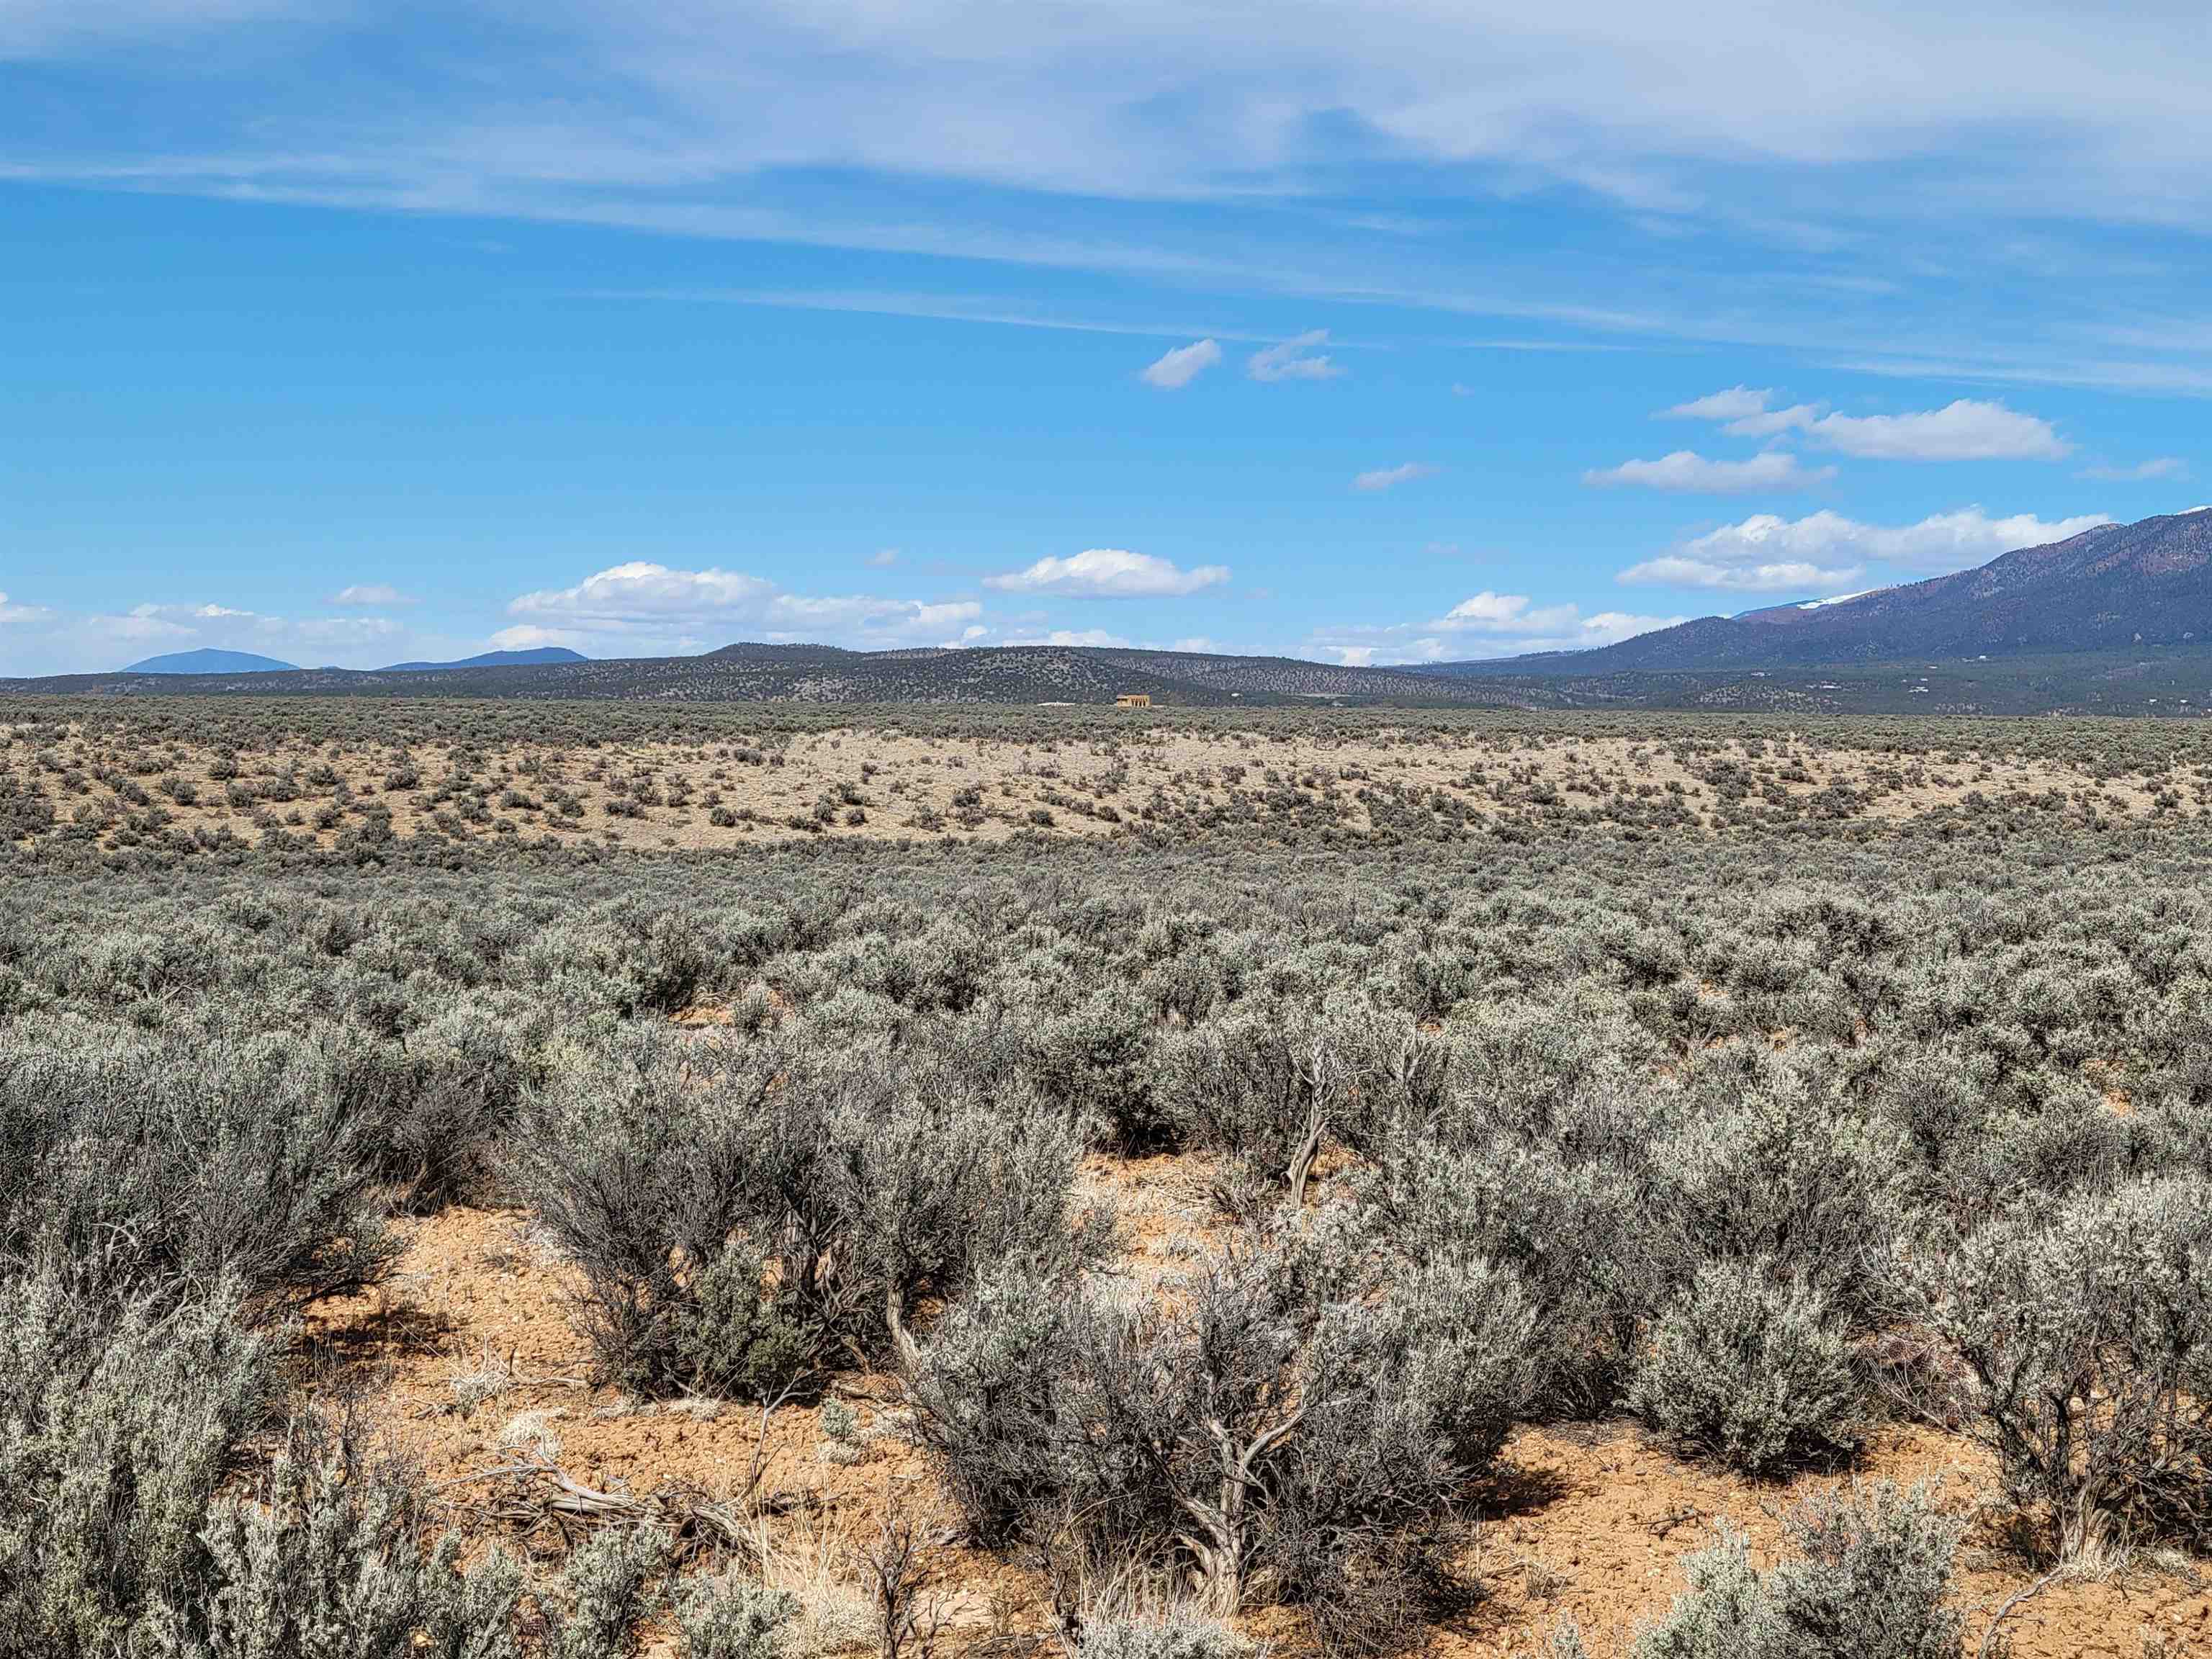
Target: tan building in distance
pixel 1132 700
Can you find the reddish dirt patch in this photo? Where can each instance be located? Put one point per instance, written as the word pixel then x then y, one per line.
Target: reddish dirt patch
pixel 1590 1523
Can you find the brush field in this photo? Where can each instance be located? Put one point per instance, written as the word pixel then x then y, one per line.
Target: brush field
pixel 501 1179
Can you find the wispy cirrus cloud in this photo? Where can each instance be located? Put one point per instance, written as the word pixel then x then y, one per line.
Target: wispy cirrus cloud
pixel 371 594
pixel 2159 466
pixel 700 121
pixel 1389 477
pixel 1298 358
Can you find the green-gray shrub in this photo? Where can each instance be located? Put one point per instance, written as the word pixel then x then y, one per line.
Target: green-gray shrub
pixel 325 1560
pixel 2087 1327
pixel 1171 1636
pixel 734 1337
pixel 1758 1373
pixel 608 1586
pixel 118 1422
pixel 1867 1581
pixel 731 1617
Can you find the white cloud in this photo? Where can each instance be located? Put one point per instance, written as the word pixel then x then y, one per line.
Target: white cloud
pixel 326 632
pixel 1200 644
pixel 1747 412
pixel 371 594
pixel 2162 466
pixel 1733 404
pixel 883 557
pixel 644 606
pixel 1484 624
pixel 1685 470
pixel 1487 609
pixel 1071 636
pixel 1108 573
pixel 1773 422
pixel 1179 367
pixel 99 640
pixel 1968 429
pixel 1294 359
pixel 1768 554
pixel 1781 576
pixel 528 636
pixel 12 615
pixel 1389 478
pixel 2094 111
pixel 625 595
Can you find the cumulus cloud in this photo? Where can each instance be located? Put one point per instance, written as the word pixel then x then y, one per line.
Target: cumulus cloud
pixel 1089 636
pixel 1175 369
pixel 1768 576
pixel 1685 470
pixel 1966 429
pixel 371 594
pixel 883 557
pixel 2162 466
pixel 1108 573
pixel 1294 359
pixel 1767 554
pixel 1484 624
pixel 1389 478
pixel 624 595
pixel 647 605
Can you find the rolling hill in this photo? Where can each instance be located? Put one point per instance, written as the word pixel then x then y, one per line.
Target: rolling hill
pixel 544 653
pixel 826 674
pixel 209 661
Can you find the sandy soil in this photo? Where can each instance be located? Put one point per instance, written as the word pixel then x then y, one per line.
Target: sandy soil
pixel 877 785
pixel 1590 1522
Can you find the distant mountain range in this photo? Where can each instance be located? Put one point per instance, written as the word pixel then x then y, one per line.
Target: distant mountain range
pixel 2116 620
pixel 820 673
pixel 2111 589
pixel 210 662
pixel 543 653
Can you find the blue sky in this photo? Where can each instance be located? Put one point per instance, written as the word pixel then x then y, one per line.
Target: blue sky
pixel 1390 333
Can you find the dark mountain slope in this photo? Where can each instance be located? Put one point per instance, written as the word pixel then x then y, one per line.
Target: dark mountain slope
pixel 2111 588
